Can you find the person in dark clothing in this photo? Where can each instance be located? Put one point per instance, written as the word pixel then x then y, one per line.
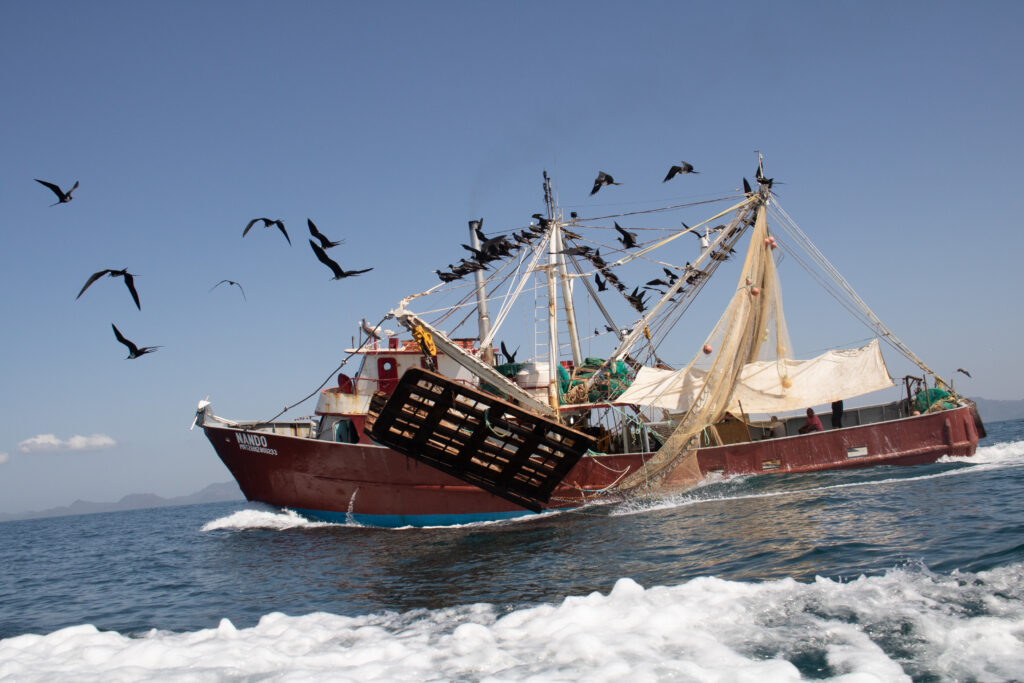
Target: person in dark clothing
pixel 837 414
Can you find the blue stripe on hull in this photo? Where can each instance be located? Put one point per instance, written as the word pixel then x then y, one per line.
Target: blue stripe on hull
pixel 395 521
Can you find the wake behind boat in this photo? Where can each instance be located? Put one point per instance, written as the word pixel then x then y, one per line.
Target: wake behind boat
pixel 470 434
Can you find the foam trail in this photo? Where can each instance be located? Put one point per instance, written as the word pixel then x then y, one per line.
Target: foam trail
pixel 998 456
pixel 263 519
pixel 907 623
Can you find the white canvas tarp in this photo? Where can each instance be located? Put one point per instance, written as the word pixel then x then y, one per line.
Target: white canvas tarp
pixel 834 375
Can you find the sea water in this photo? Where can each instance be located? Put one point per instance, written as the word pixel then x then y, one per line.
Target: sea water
pixel 882 574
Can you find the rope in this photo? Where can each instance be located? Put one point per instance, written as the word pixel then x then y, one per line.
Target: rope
pixel 345 360
pixel 839 286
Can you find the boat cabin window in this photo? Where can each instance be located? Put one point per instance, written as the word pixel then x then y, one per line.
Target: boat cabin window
pixel 345 431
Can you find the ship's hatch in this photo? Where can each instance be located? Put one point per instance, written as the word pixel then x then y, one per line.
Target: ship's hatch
pixel 476 437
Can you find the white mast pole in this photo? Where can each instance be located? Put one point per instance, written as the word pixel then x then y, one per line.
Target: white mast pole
pixel 563 274
pixel 483 316
pixel 554 246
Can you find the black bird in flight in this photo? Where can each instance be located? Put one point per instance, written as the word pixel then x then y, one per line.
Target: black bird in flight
pixel 963 371
pixel 129 282
pixel 335 268
pixel 628 238
pixel 324 242
pixel 682 169
pixel 509 357
pixel 62 196
pixel 602 180
pixel 133 350
pixel 267 222
pixel 230 282
pixel 636 300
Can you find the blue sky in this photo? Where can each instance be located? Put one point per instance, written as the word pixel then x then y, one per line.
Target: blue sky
pixel 894 126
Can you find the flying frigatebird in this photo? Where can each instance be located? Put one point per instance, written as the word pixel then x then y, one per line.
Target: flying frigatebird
pixel 335 268
pixel 62 196
pixel 129 282
pixel 133 350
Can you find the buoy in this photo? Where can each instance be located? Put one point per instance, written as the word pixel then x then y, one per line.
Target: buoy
pixel 708 349
pixel 754 291
pixel 787 382
pixel 767 241
pixel 749 282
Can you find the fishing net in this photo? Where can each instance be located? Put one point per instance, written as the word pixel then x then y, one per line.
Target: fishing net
pixel 752 328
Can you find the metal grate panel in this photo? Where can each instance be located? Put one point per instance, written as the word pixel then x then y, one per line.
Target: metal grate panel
pixel 476 437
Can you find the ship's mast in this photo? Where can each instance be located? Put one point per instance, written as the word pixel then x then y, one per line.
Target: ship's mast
pixel 483 316
pixel 555 215
pixel 554 246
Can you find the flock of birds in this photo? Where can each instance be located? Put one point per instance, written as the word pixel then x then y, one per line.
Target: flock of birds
pixel 490 249
pixel 493 249
pixel 136 351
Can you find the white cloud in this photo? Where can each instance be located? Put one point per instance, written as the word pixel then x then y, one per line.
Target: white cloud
pixel 50 442
pixel 3 458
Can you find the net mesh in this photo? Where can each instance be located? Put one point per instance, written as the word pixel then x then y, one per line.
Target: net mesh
pixel 752 328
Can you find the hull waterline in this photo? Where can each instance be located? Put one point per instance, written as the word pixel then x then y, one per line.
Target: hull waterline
pixel 373 485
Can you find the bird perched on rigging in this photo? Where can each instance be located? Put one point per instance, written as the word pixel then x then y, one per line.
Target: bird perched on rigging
pixel 759 176
pixel 447 277
pixel 267 222
pixel 375 332
pixel 230 282
pixel 62 196
pixel 682 169
pixel 509 357
pixel 133 350
pixel 335 268
pixel 628 238
pixel 129 282
pixel 324 242
pixel 602 180
pixel 601 284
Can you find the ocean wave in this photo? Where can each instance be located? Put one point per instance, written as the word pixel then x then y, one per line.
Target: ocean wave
pixel 907 623
pixel 264 519
pixel 1007 455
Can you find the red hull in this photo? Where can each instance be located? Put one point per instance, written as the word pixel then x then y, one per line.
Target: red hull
pixel 376 485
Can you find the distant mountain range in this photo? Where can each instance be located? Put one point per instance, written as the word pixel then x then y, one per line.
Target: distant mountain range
pixel 996 411
pixel 214 493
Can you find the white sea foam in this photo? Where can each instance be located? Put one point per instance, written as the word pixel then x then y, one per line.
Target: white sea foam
pixel 997 456
pixel 263 519
pixel 883 628
pixel 1009 453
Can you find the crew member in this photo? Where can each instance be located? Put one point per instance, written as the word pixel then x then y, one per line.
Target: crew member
pixel 813 424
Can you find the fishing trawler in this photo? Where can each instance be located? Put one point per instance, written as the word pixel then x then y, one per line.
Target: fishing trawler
pixel 442 428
